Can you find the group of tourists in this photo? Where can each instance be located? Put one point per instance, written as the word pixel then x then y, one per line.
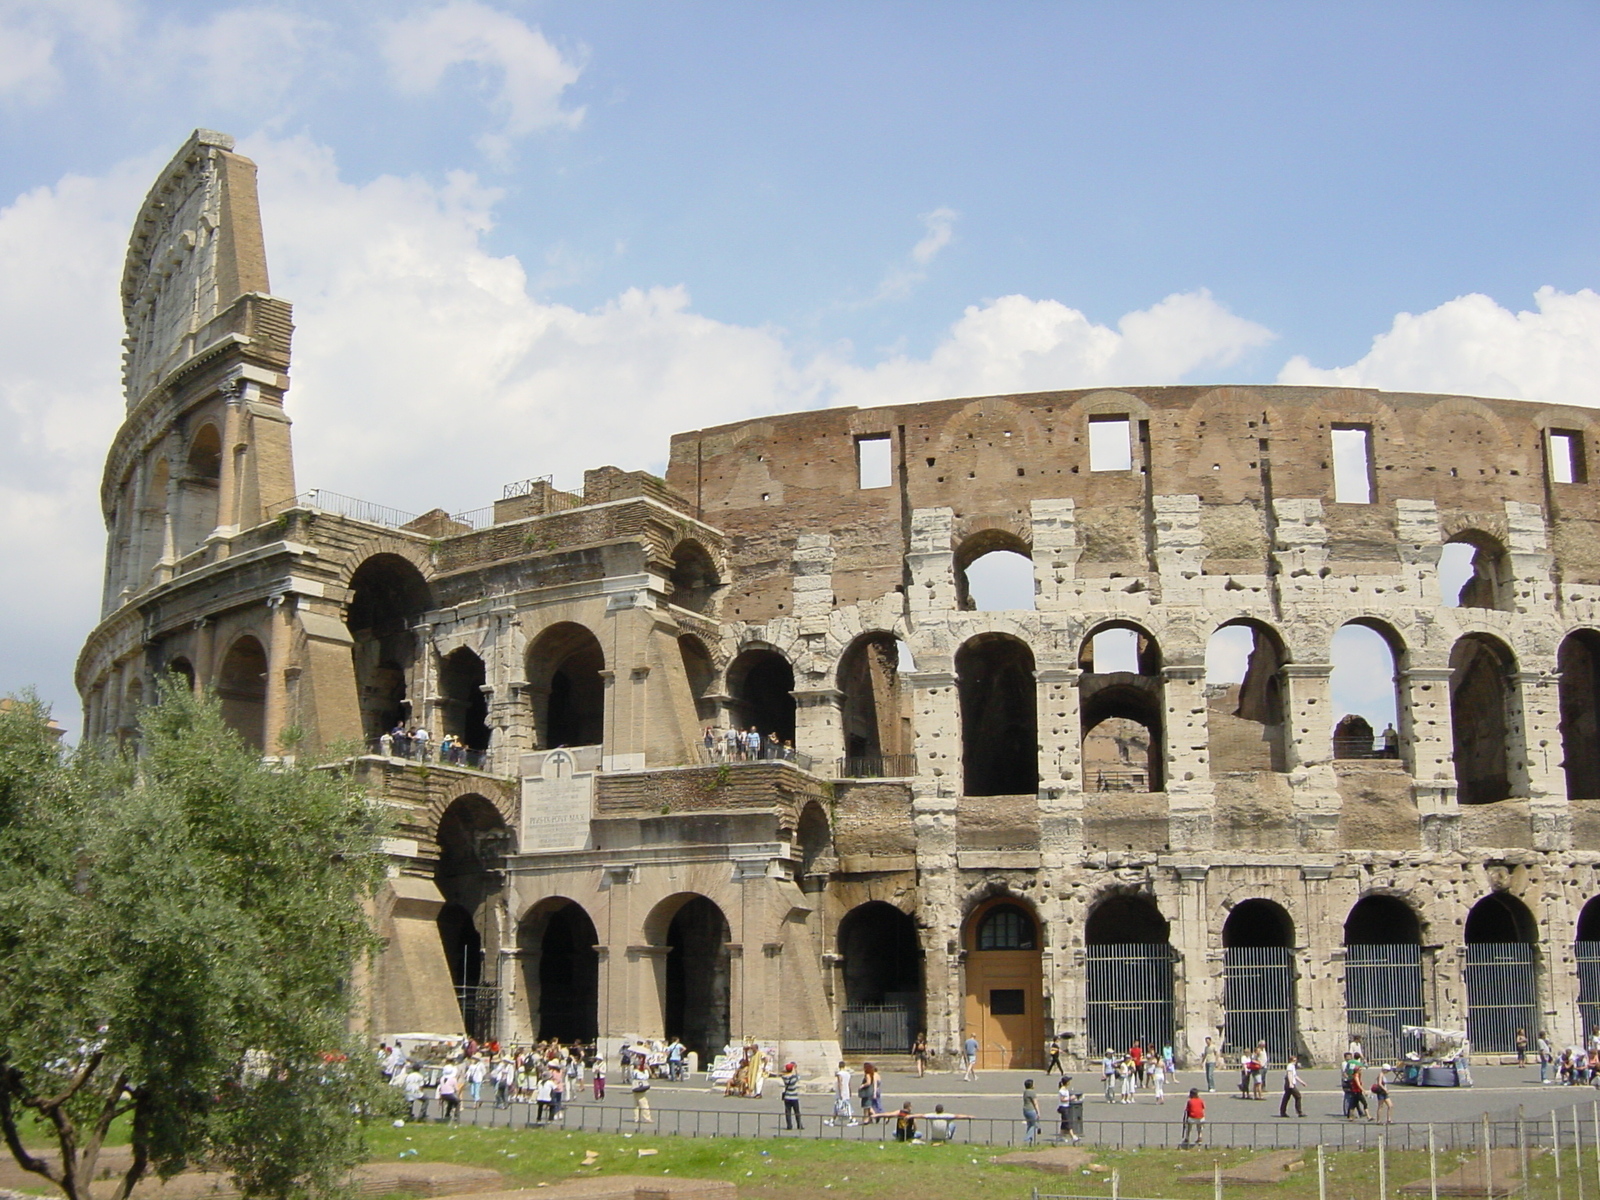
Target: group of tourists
pixel 1124 1075
pixel 416 744
pixel 745 745
pixel 546 1075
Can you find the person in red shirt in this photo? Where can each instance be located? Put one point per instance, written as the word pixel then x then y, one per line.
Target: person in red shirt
pixel 1194 1118
pixel 1136 1052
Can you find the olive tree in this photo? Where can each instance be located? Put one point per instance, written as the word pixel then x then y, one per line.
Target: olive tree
pixel 178 932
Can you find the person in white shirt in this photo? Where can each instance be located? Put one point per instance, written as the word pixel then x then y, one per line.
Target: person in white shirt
pixel 476 1074
pixel 841 1098
pixel 416 1097
pixel 1291 1089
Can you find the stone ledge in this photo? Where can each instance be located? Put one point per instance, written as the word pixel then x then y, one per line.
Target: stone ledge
pixel 998 860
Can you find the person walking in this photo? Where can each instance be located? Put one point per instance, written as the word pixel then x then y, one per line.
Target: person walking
pixel 1211 1059
pixel 449 1096
pixel 1520 1042
pixel 476 1074
pixel 1064 1099
pixel 1128 1082
pixel 791 1097
pixel 1157 1074
pixel 1384 1111
pixel 842 1113
pixel 1258 1083
pixel 641 1095
pixel 1030 1113
pixel 416 1096
pixel 870 1092
pixel 919 1051
pixel 1108 1076
pixel 1054 1064
pixel 969 1056
pixel 1194 1120
pixel 600 1077
pixel 1546 1057
pixel 1291 1089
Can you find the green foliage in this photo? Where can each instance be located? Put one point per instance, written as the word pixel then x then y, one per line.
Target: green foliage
pixel 187 922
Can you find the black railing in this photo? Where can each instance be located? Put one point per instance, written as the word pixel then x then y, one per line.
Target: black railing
pixel 878 766
pixel 1121 781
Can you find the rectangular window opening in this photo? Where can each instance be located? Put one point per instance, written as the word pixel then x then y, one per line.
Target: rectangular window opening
pixel 1352 464
pixel 1110 447
pixel 1566 457
pixel 874 463
pixel 1007 1002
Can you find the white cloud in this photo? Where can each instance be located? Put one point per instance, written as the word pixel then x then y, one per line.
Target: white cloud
pixel 27 63
pixel 269 47
pixel 939 229
pixel 524 74
pixel 1471 345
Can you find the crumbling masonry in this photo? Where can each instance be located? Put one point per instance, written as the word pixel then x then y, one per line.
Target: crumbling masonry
pixel 974 829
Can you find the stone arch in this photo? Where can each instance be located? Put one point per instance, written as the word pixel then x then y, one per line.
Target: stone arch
pixel 1004 1006
pixel 1129 976
pixel 695 579
pixel 982 543
pixel 761 684
pixel 1258 989
pixel 873 706
pixel 183 668
pixel 388 596
pixel 557 945
pixel 880 963
pixel 500 798
pixel 1246 722
pixel 242 689
pixel 1479 559
pixel 464 708
pixel 1481 720
pixel 700 669
pixel 1578 669
pixel 1368 656
pixel 1586 951
pixel 999 716
pixel 814 839
pixel 1501 972
pixel 565 674
pixel 1383 982
pixel 1122 714
pixel 694 979
pixel 199 488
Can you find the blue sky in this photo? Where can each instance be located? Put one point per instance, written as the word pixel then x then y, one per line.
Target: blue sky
pixel 532 237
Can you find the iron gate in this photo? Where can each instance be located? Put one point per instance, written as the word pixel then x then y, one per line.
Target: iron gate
pixel 877 1029
pixel 1129 993
pixel 1258 999
pixel 1502 996
pixel 1588 955
pixel 1382 992
pixel 480 1011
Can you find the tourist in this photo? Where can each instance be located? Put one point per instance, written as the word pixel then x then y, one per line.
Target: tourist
pixel 1127 1079
pixel 1108 1075
pixel 1520 1043
pixel 710 740
pixel 1380 1092
pixel 969 1057
pixel 842 1113
pixel 558 1090
pixel 1136 1053
pixel 1546 1057
pixel 791 1097
pixel 1157 1074
pixel 905 1125
pixel 1194 1120
pixel 941 1126
pixel 1054 1050
pixel 477 1072
pixel 1064 1101
pixel 1030 1113
pixel 1291 1089
pixel 1247 1073
pixel 542 1099
pixel 600 1077
pixel 732 742
pixel 449 1095
pixel 1211 1058
pixel 1355 1092
pixel 871 1092
pixel 1258 1084
pixel 675 1064
pixel 419 743
pixel 641 1095
pixel 919 1051
pixel 774 746
pixel 752 744
pixel 415 1093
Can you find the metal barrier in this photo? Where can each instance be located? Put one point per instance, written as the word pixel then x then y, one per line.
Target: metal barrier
pixel 456 756
pixel 1588 957
pixel 717 754
pixel 1502 995
pixel 878 1029
pixel 1122 781
pixel 345 506
pixel 1382 994
pixel 1258 999
pixel 1129 989
pixel 878 766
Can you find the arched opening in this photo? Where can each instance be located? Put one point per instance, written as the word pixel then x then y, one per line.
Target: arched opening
pixel 1122 710
pixel 1383 975
pixel 568 690
pixel 815 840
pixel 198 489
pixel 1005 985
pixel 1587 947
pixel 1245 726
pixel 473 839
pixel 561 971
pixel 465 707
pixel 132 703
pixel 1258 984
pixel 874 709
pixel 994 573
pixel 881 965
pixel 696 989
pixel 1578 664
pixel 183 669
pixel 1365 688
pixel 999 717
pixel 761 685
pixel 1500 973
pixel 242 691
pixel 698 668
pixel 1474 572
pixel 1128 975
pixel 693 581
pixel 387 596
pixel 1480 700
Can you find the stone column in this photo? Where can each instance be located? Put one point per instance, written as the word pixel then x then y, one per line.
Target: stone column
pixel 1321 998
pixel 1060 765
pixel 1428 741
pixel 936 718
pixel 1198 1002
pixel 932 564
pixel 228 480
pixel 818 727
pixel 280 642
pixel 1535 756
pixel 1309 735
pixel 1191 802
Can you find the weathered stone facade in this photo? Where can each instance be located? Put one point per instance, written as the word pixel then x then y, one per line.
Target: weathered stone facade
pixel 938 849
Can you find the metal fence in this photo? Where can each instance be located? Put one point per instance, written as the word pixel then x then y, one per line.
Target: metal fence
pixel 1129 990
pixel 877 1029
pixel 480 1009
pixel 1588 956
pixel 1258 999
pixel 878 766
pixel 1382 993
pixel 1122 781
pixel 1502 995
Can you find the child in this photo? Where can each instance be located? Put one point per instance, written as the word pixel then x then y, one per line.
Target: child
pixel 1194 1118
pixel 600 1078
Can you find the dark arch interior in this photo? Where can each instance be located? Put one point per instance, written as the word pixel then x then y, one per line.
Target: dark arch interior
pixel 242 691
pixel 184 669
pixel 1382 921
pixel 999 717
pixel 463 946
pixel 466 708
pixel 698 976
pixel 871 709
pixel 564 672
pixel 1122 920
pixel 882 957
pixel 761 683
pixel 1258 923
pixel 1500 918
pixel 694 577
pixel 472 839
pixel 1479 690
pixel 388 595
pixel 569 977
pixel 1007 927
pixel 697 667
pixel 814 835
pixel 1579 667
pixel 205 454
pixel 1589 921
pixel 1353 737
pixel 1126 710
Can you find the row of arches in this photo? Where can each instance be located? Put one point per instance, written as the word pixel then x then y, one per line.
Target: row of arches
pixel 165 508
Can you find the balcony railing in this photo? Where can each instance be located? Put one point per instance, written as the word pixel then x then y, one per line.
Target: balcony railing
pixel 1121 781
pixel 878 766
pixel 389 746
pixel 719 753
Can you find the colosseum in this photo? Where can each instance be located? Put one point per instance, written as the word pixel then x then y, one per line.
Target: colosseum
pixel 1046 817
